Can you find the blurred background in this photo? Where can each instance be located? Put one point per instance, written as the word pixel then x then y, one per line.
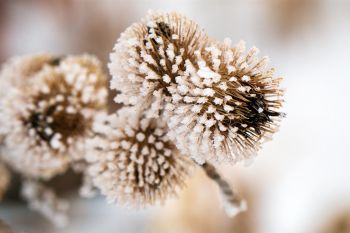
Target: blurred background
pixel 300 182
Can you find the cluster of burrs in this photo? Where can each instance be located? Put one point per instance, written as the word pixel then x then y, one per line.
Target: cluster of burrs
pixel 187 100
pixel 219 102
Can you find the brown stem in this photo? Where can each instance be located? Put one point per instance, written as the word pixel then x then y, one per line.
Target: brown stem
pixel 232 202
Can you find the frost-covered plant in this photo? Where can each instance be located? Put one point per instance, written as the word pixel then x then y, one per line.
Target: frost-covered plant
pixel 132 160
pixel 220 102
pixel 185 95
pixel 47 108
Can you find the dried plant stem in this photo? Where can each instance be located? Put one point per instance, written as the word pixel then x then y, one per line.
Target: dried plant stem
pixel 233 204
pixel 45 201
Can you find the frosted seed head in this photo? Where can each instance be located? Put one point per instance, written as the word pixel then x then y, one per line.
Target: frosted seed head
pixel 56 101
pixel 137 176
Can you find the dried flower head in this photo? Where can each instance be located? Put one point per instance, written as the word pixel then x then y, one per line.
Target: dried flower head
pixel 133 161
pixel 46 114
pixel 4 179
pixel 220 102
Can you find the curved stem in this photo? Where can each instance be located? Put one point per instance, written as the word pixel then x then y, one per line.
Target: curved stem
pixel 233 204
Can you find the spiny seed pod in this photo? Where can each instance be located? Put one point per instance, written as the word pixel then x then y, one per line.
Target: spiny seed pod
pixel 220 102
pixel 46 114
pixel 4 179
pixel 148 55
pixel 133 162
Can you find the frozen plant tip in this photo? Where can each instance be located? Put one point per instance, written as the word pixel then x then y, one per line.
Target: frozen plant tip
pixel 219 102
pixel 133 162
pixel 47 108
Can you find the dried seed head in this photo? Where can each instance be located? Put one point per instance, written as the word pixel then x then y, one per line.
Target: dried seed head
pixel 133 162
pixel 220 102
pixel 4 179
pixel 46 115
pixel 149 54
